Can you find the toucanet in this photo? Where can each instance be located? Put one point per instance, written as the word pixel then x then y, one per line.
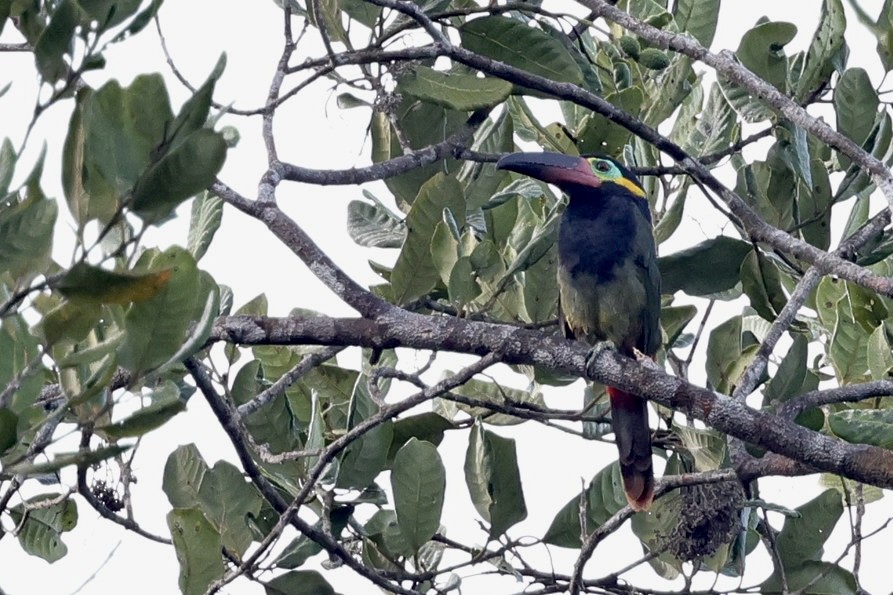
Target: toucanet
pixel 608 284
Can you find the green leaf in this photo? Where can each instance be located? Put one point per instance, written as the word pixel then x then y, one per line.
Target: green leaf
pixel 8 422
pixel 710 267
pixel 864 426
pixel 362 11
pixel 374 226
pixel 198 546
pixel 855 104
pixel 62 460
pixel 674 319
pixel 87 284
pixel 791 374
pixel 146 419
pixel 427 426
pixel 761 51
pixel 814 202
pixel 521 46
pixel 184 472
pixel 813 578
pixel 69 322
pixel 725 355
pixel 421 124
pixel 367 456
pixel 193 114
pixel 121 129
pixel 706 447
pixel 697 18
pixel 462 287
pixel 465 92
pixel 761 282
pixel 414 273
pixel 482 180
pixel 602 498
pixel 299 582
pixel 802 537
pixel 228 499
pixel 55 41
pixel 385 531
pixel 8 159
pixel 493 479
pixel 301 549
pixel 157 327
pixel 39 532
pixel 492 392
pixel 671 219
pixel 183 171
pixel 204 221
pixel 26 235
pixel 826 43
pixel 880 357
pixel 418 481
pixel 540 288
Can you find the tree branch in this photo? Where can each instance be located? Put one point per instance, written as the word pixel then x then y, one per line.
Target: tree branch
pixel 522 346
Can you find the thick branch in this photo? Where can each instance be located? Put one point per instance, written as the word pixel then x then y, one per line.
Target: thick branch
pixel 521 346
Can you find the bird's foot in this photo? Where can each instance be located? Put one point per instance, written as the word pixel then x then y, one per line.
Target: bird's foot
pixel 645 360
pixel 595 352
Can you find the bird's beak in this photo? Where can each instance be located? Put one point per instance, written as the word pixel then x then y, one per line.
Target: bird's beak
pixel 553 168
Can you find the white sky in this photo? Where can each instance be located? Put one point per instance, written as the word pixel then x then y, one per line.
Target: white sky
pixel 313 132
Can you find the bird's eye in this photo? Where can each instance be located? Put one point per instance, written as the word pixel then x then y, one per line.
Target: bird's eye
pixel 603 166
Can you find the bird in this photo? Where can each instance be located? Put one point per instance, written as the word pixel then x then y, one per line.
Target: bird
pixel 608 284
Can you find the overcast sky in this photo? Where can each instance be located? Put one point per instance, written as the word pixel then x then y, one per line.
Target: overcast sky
pixel 313 132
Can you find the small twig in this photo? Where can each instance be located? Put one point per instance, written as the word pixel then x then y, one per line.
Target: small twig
pixel 296 373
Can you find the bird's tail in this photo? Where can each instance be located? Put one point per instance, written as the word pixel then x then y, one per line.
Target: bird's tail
pixel 629 417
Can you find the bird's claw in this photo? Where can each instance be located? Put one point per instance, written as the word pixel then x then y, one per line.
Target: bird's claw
pixel 595 352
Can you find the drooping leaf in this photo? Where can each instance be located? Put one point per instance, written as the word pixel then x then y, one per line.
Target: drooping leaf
pixel 367 456
pixel 158 327
pixel 761 51
pixel 55 41
pixel 697 18
pixel 855 104
pixel 227 500
pixel 493 479
pixel 418 480
pixel 26 235
pixel 414 273
pixel 802 538
pixel 826 43
pixel 184 171
pixel 184 472
pixel 204 221
pixel 198 547
pixel 791 374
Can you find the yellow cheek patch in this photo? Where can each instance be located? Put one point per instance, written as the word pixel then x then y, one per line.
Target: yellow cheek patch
pixel 631 186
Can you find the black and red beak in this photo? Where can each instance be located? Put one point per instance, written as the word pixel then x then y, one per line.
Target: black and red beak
pixel 553 168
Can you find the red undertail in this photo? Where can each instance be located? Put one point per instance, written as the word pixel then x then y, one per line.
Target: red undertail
pixel 629 416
